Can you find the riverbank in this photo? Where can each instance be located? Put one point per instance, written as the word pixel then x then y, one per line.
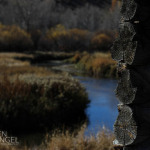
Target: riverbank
pixel 16 68
pixel 97 64
pixel 35 98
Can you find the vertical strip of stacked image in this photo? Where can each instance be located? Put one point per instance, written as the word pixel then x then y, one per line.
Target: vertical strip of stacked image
pixel 132 51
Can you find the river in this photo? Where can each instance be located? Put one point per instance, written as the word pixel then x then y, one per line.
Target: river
pixel 102 110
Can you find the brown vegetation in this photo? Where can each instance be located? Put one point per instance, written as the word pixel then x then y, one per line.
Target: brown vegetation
pixel 35 98
pixel 102 141
pixel 70 141
pixel 96 64
pixel 14 38
pixel 61 39
pixel 102 41
pixel 58 38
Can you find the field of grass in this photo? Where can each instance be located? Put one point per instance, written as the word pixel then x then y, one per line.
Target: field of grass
pixel 95 64
pixel 35 97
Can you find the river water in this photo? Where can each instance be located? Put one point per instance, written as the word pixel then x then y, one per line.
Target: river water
pixel 102 110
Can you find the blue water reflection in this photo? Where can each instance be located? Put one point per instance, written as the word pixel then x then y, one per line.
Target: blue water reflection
pixel 102 110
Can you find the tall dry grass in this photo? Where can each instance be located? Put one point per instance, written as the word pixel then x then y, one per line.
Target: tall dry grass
pixel 13 68
pixel 73 141
pixel 35 97
pixel 40 103
pixel 8 59
pixel 66 141
pixel 95 64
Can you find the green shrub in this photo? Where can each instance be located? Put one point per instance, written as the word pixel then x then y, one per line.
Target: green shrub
pixel 13 38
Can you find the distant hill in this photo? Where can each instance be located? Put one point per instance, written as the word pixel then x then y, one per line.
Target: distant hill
pixel 78 3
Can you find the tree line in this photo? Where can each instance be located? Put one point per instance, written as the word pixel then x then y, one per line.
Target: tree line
pixel 44 14
pixel 46 24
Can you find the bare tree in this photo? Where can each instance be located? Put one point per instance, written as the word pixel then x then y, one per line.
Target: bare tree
pixel 91 18
pixel 44 14
pixel 27 12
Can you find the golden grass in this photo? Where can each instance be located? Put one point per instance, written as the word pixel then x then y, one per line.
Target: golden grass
pixel 8 59
pixel 14 67
pixel 66 141
pixel 24 70
pixel 96 64
pixel 14 54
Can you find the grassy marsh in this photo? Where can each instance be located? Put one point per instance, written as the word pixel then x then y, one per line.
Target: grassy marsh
pixel 95 64
pixel 35 97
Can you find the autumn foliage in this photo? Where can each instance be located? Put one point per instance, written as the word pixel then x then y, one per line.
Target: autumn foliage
pixel 58 38
pixel 14 38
